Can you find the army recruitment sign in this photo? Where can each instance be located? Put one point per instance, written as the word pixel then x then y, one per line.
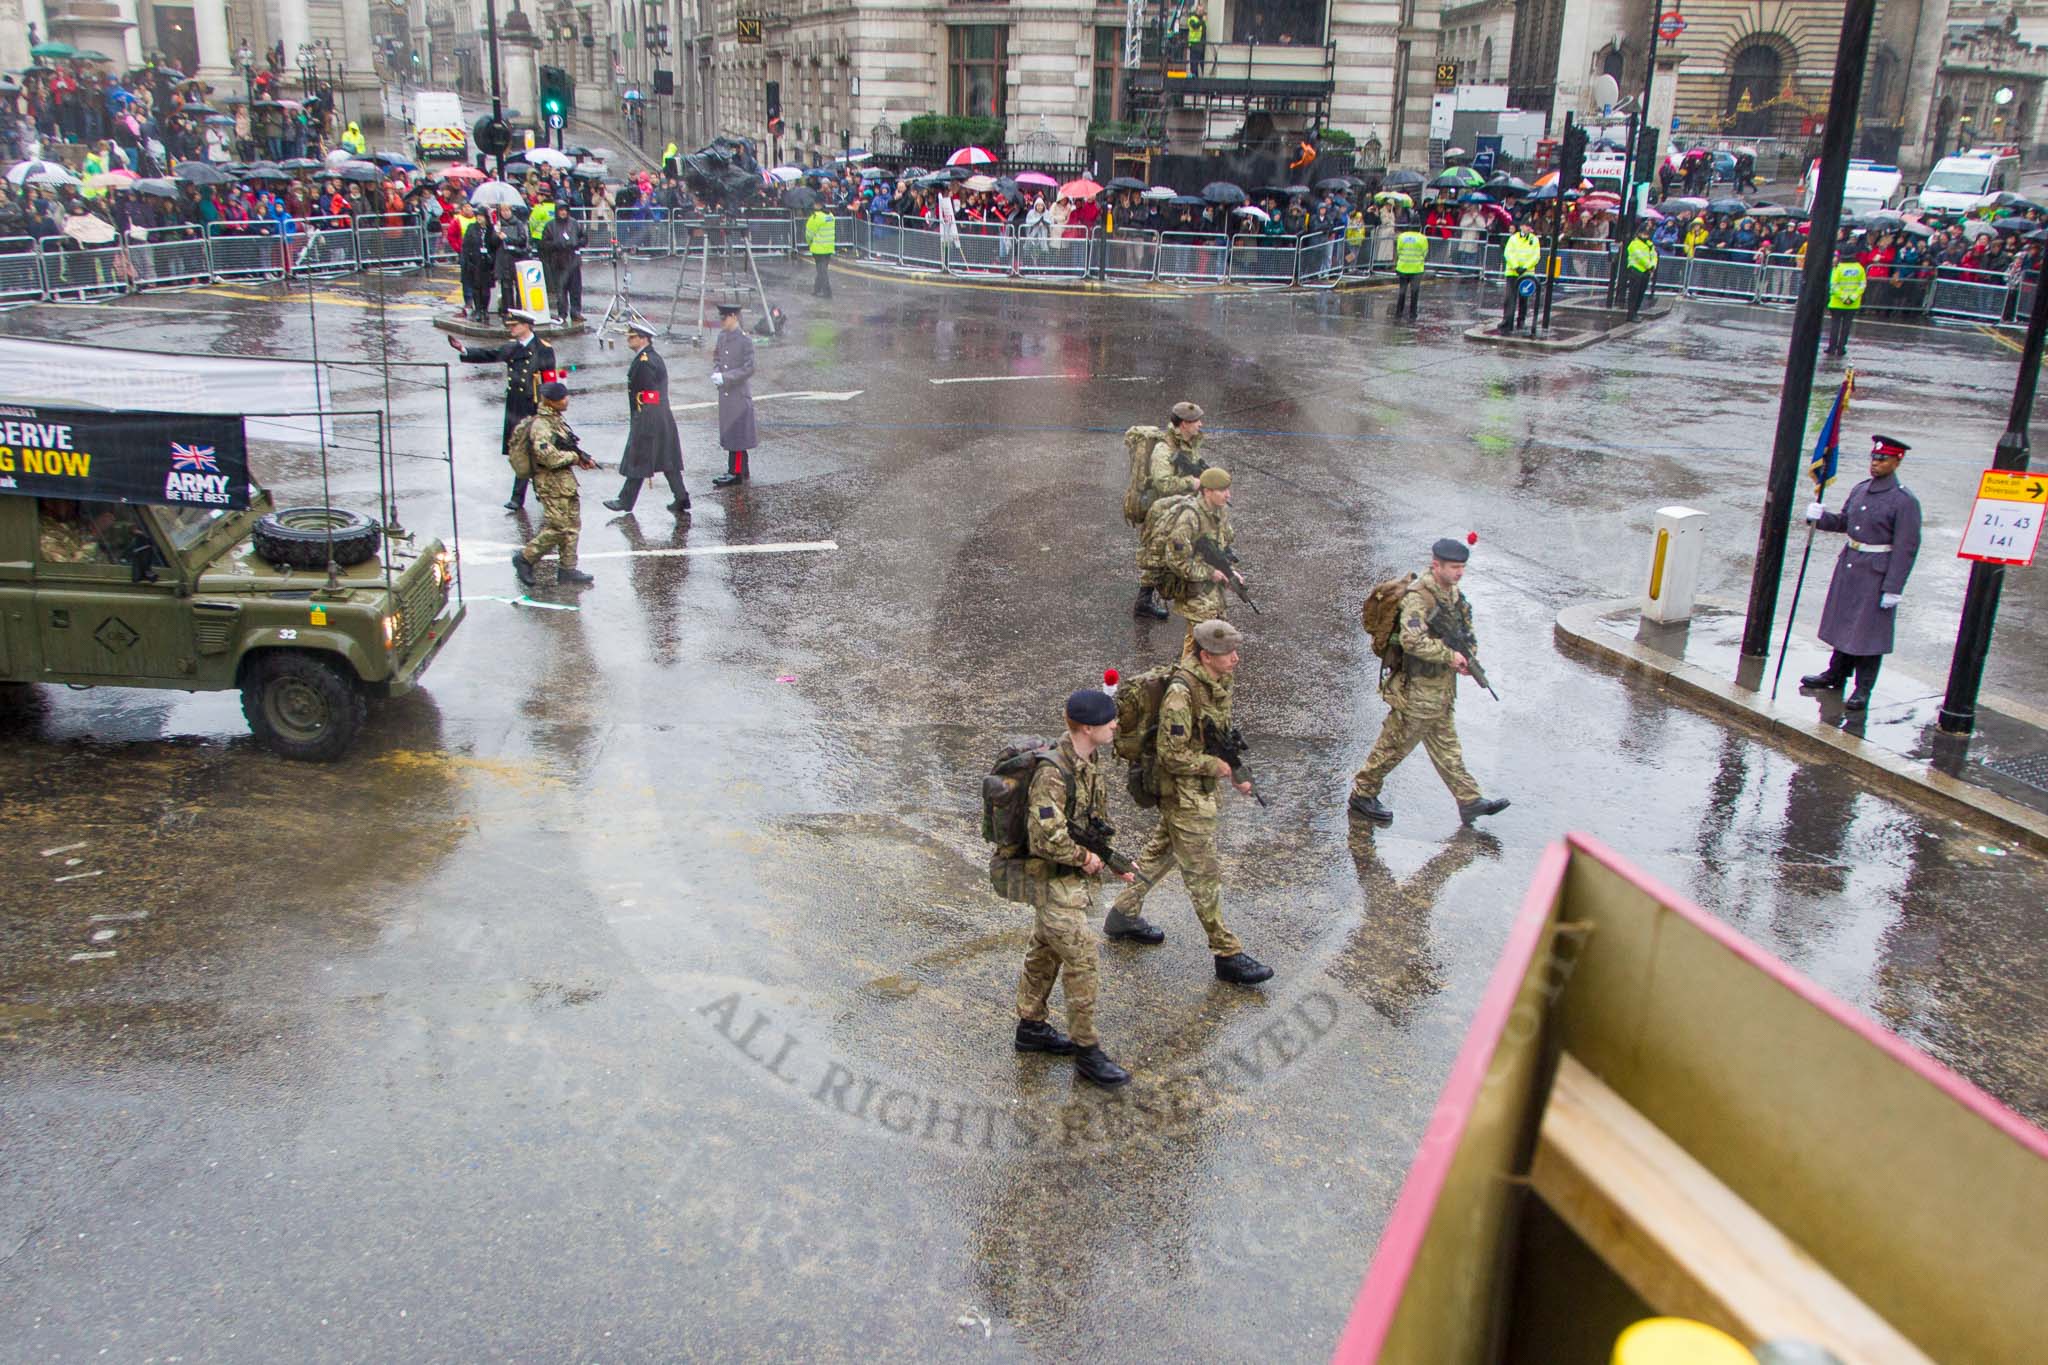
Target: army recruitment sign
pixel 171 459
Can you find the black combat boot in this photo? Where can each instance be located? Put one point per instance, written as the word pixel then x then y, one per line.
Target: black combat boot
pixel 1468 811
pixel 1370 808
pixel 581 579
pixel 1094 1065
pixel 615 505
pixel 522 566
pixel 681 504
pixel 1136 928
pixel 1242 969
pixel 1035 1035
pixel 1144 603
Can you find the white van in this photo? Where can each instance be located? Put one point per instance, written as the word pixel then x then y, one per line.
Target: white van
pixel 437 126
pixel 1969 180
pixel 1870 186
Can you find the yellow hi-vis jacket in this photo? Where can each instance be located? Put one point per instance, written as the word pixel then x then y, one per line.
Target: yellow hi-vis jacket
pixel 1522 254
pixel 821 233
pixel 1411 252
pixel 1845 285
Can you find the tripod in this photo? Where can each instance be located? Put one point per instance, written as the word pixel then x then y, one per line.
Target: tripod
pixel 735 281
pixel 620 311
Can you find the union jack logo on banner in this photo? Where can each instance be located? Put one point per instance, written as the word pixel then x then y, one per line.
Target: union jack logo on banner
pixel 197 459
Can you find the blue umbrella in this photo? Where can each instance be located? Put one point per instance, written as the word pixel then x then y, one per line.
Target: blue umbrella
pixel 1475 197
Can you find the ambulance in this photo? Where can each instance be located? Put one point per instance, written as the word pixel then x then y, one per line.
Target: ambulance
pixel 438 129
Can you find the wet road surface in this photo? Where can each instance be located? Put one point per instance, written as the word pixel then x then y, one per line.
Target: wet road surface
pixel 636 992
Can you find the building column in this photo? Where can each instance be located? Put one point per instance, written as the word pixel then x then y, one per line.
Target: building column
pixel 1930 35
pixel 15 17
pixel 294 30
pixel 210 26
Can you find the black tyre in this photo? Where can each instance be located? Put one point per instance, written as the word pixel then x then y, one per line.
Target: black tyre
pixel 297 537
pixel 302 705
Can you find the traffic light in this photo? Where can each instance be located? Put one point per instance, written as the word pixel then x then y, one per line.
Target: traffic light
pixel 556 95
pixel 1571 157
pixel 773 92
pixel 1646 154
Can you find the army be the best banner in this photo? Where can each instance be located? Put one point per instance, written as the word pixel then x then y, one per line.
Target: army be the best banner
pixel 171 459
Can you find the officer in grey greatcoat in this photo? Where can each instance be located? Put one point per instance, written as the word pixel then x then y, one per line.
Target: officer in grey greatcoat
pixel 732 372
pixel 1882 521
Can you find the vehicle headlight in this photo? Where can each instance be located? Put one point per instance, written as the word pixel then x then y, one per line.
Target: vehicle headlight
pixel 391 630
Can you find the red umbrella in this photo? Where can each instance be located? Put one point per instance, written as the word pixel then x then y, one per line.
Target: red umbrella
pixel 1080 189
pixel 1600 199
pixel 972 156
pixel 464 175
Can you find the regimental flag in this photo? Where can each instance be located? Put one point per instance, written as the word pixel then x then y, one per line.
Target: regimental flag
pixel 1827 447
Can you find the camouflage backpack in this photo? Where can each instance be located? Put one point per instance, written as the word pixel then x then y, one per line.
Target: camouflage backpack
pixel 1006 817
pixel 1381 617
pixel 1138 443
pixel 1152 541
pixel 519 449
pixel 1137 730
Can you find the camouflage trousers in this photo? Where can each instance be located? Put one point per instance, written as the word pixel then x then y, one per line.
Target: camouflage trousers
pixel 1436 731
pixel 1062 942
pixel 561 527
pixel 1186 837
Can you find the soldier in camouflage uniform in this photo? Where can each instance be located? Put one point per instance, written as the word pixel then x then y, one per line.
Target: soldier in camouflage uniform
pixel 1174 467
pixel 556 459
pixel 1070 786
pixel 1422 692
pixel 62 535
pixel 1167 554
pixel 1195 703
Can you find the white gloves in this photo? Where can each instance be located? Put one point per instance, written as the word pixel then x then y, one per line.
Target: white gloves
pixel 1888 600
pixel 718 379
pixel 1817 511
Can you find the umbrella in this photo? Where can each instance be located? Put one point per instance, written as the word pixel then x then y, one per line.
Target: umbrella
pixel 548 156
pixel 1038 178
pixel 87 230
pixel 1496 213
pixel 90 56
pixel 1008 188
pixel 200 107
pixel 1337 184
pixel 1394 197
pixel 800 199
pixel 1768 211
pixel 1977 227
pixel 2006 227
pixel 785 174
pixel 1507 186
pixel 1600 199
pixel 264 170
pixel 1922 230
pixel 1886 218
pixel 2008 200
pixel 972 156
pixel 873 173
pixel 394 162
pixel 931 182
pixel 1157 192
pixel 221 120
pixel 306 163
pixel 58 50
pixel 953 173
pixel 1458 178
pixel 111 180
pixel 496 192
pixel 1475 197
pixel 1080 189
pixel 588 172
pixel 1727 206
pixel 9 86
pixel 1455 153
pixel 634 95
pixel 339 155
pixel 979 184
pixel 1652 214
pixel 156 189
pixel 1125 182
pixel 1685 204
pixel 460 175
pixel 1223 192
pixel 1253 211
pixel 363 172
pixel 1696 154
pixel 40 173
pixel 1402 180
pixel 1189 201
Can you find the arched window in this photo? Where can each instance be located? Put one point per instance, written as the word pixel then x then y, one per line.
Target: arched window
pixel 1754 78
pixel 1486 63
pixel 1613 64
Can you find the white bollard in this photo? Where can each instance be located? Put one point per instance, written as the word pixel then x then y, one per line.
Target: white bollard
pixel 1674 576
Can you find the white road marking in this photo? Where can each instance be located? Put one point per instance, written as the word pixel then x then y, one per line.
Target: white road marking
pixel 76 875
pixel 61 848
pixel 809 395
pixel 92 957
pixel 526 602
pixel 125 917
pixel 1022 378
pixel 102 935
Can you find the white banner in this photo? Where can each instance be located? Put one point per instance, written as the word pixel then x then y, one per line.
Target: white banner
pixel 111 379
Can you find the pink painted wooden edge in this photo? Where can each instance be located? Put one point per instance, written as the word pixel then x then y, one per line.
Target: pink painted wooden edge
pixel 1372 1313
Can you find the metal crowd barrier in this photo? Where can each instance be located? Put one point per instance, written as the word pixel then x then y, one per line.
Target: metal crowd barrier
pixel 322 246
pixel 243 255
pixel 171 257
pixel 21 269
pixel 1198 257
pixel 384 247
pixel 83 273
pixel 1128 255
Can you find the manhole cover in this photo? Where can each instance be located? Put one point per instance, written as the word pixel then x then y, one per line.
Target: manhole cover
pixel 2031 769
pixel 115 635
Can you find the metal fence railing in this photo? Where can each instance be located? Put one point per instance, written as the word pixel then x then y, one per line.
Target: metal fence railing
pixel 179 257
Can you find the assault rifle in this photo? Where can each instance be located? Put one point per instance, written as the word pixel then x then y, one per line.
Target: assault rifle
pixel 1453 630
pixel 1230 746
pixel 1187 464
pixel 1094 835
pixel 1224 562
